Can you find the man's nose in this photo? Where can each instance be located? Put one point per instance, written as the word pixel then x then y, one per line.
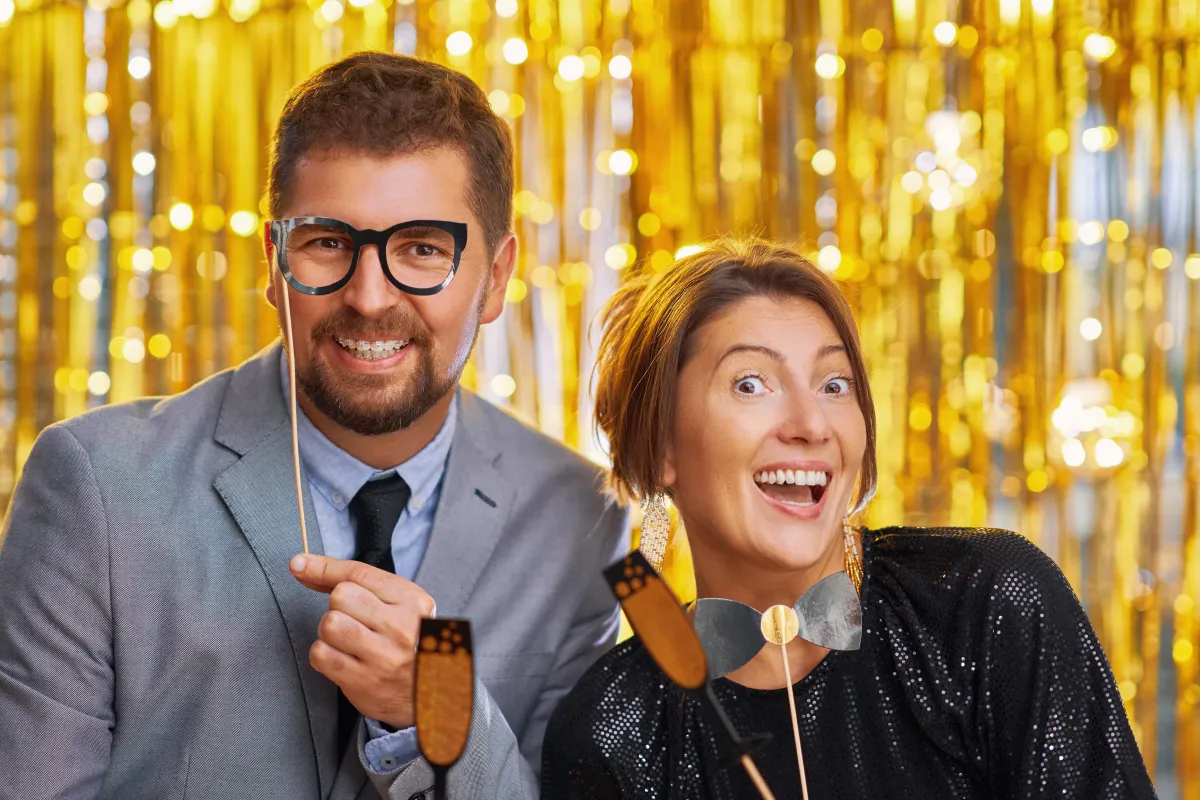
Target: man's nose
pixel 369 291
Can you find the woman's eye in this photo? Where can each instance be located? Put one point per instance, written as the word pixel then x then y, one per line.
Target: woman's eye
pixel 750 385
pixel 837 386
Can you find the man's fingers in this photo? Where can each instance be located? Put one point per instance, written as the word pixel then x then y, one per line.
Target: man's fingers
pixel 351 637
pixel 322 574
pixel 314 586
pixel 327 572
pixel 364 606
pixel 339 667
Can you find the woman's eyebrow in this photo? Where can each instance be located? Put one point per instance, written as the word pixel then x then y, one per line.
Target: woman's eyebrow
pixel 829 350
pixel 825 352
pixel 769 352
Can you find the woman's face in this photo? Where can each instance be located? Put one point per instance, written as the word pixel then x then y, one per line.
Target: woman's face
pixel 768 436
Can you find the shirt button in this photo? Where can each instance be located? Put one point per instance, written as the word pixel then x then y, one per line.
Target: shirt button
pixel 338 498
pixel 388 762
pixel 415 504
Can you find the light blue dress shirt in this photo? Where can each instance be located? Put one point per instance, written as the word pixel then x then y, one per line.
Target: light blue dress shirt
pixel 335 477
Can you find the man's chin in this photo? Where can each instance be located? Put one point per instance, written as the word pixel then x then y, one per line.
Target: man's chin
pixel 371 419
pixel 370 410
pixel 373 404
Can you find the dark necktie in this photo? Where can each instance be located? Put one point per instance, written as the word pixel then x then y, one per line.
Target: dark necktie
pixel 374 511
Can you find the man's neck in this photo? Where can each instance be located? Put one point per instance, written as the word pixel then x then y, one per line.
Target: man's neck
pixel 385 450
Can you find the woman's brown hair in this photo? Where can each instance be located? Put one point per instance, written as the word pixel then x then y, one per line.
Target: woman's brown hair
pixel 648 325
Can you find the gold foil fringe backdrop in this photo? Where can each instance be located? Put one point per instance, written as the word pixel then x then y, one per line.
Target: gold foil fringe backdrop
pixel 1007 187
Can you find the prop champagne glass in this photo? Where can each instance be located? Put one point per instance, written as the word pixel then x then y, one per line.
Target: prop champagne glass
pixel 444 690
pixel 667 635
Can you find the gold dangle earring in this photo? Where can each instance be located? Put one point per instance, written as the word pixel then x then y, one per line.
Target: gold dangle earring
pixel 656 527
pixel 854 567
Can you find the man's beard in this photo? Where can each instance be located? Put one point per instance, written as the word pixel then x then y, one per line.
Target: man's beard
pixel 372 405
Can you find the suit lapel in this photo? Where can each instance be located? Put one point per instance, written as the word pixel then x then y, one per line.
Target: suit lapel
pixel 474 505
pixel 260 492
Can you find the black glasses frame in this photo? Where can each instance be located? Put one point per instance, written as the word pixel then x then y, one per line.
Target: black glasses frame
pixel 280 228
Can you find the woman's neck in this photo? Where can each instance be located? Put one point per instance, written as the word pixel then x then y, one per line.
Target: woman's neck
pixel 720 575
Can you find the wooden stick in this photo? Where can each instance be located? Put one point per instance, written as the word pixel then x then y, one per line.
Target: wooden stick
pixel 707 697
pixel 291 349
pixel 787 674
pixel 757 778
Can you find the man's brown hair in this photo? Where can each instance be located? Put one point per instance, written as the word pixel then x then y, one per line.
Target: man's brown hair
pixel 384 105
pixel 648 329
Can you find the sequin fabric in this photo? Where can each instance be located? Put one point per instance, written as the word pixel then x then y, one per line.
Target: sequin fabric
pixel 979 676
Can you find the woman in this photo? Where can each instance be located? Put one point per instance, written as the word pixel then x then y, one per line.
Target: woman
pixel 734 383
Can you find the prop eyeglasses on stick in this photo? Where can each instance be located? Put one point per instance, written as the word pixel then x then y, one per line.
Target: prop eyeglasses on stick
pixel 445 690
pixel 318 256
pixel 663 627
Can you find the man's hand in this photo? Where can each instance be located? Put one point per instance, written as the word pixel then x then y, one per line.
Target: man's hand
pixel 366 642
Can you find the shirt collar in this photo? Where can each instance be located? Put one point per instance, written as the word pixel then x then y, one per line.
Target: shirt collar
pixel 338 476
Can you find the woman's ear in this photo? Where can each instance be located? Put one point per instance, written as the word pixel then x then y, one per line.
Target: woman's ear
pixel 667 473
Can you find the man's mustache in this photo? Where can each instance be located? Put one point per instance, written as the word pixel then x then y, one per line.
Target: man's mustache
pixel 392 325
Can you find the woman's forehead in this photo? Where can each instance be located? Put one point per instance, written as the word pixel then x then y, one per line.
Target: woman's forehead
pixel 787 325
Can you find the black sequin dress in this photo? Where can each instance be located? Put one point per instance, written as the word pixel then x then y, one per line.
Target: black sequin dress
pixel 979 677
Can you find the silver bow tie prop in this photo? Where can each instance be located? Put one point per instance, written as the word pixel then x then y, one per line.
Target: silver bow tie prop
pixel 732 633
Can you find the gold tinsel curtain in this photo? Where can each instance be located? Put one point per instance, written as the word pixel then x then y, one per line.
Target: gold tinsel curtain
pixel 1008 188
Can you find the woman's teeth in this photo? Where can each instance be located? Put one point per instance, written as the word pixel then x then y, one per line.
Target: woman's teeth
pixel 793 487
pixel 372 350
pixel 797 477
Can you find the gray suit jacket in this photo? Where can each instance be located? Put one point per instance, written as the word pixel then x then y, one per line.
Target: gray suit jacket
pixel 154 645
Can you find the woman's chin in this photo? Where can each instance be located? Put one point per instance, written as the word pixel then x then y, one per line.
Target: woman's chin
pixel 793 551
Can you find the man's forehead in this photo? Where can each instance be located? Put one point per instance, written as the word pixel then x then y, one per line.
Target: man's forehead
pixel 377 191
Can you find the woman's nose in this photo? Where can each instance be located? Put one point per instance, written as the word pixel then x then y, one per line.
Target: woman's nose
pixel 806 420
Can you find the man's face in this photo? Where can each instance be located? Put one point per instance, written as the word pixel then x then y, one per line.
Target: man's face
pixel 418 345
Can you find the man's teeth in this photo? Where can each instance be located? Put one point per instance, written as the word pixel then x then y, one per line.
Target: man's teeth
pixel 798 477
pixel 371 350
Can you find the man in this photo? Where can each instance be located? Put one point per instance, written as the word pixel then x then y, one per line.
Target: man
pixel 158 639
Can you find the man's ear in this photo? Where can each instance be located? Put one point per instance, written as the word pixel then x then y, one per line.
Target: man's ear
pixel 501 270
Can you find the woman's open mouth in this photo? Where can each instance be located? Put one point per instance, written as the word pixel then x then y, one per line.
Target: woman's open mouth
pixel 793 487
